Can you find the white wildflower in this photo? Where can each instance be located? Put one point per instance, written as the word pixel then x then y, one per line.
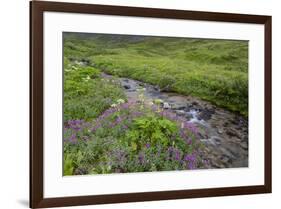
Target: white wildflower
pixel 120 101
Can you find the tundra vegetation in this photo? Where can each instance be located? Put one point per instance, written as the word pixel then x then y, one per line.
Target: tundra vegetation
pixel 105 132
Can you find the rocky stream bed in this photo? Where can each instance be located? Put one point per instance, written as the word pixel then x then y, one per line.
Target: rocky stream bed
pixel 226 133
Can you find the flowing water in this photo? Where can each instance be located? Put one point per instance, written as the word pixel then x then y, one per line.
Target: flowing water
pixel 226 134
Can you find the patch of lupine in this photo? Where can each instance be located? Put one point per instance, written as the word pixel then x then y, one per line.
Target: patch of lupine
pixel 102 120
pixel 103 151
pixel 74 129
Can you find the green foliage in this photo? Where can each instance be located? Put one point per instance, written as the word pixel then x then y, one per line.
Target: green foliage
pixel 142 140
pixel 72 160
pixel 86 94
pixel 68 165
pixel 167 81
pixel 152 130
pixel 214 70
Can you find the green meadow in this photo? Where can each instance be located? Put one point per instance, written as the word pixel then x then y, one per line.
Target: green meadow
pixel 212 70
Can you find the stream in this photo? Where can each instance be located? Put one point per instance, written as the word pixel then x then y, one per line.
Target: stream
pixel 226 133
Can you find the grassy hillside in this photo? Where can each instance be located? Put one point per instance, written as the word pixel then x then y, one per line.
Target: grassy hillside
pixel 213 70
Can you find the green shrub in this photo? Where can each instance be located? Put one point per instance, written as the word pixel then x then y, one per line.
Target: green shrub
pixel 150 130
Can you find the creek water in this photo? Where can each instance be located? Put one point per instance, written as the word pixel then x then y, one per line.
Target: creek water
pixel 226 133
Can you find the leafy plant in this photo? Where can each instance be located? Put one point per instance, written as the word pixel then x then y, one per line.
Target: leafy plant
pixel 68 166
pixel 151 130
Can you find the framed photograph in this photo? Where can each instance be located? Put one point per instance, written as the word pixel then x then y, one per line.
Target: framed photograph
pixel 138 104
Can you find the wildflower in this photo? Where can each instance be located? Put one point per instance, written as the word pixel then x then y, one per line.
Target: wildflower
pixel 154 108
pixel 114 105
pixel 147 145
pixel 125 106
pixel 190 160
pixel 141 158
pixel 120 101
pixel 191 157
pixel 73 139
pixel 177 155
pixel 170 149
pixel 191 165
pixel 119 120
pixel 75 125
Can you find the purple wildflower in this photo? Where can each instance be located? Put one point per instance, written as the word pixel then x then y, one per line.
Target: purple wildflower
pixel 192 127
pixel 75 125
pixel 141 158
pixel 170 149
pixel 125 105
pixel 119 120
pixel 190 157
pixel 191 165
pixel 73 139
pixel 177 155
pixel 190 160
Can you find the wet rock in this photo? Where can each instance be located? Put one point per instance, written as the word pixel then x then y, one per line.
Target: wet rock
pixel 236 121
pixel 126 86
pixel 166 105
pixel 217 140
pixel 156 88
pixel 206 114
pixel 245 138
pixel 225 159
pixel 194 103
pixel 227 153
pixel 180 112
pixel 232 132
pixel 220 131
pixel 244 145
pixel 225 124
pixel 178 106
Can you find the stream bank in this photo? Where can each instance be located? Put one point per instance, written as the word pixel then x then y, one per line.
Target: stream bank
pixel 226 134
